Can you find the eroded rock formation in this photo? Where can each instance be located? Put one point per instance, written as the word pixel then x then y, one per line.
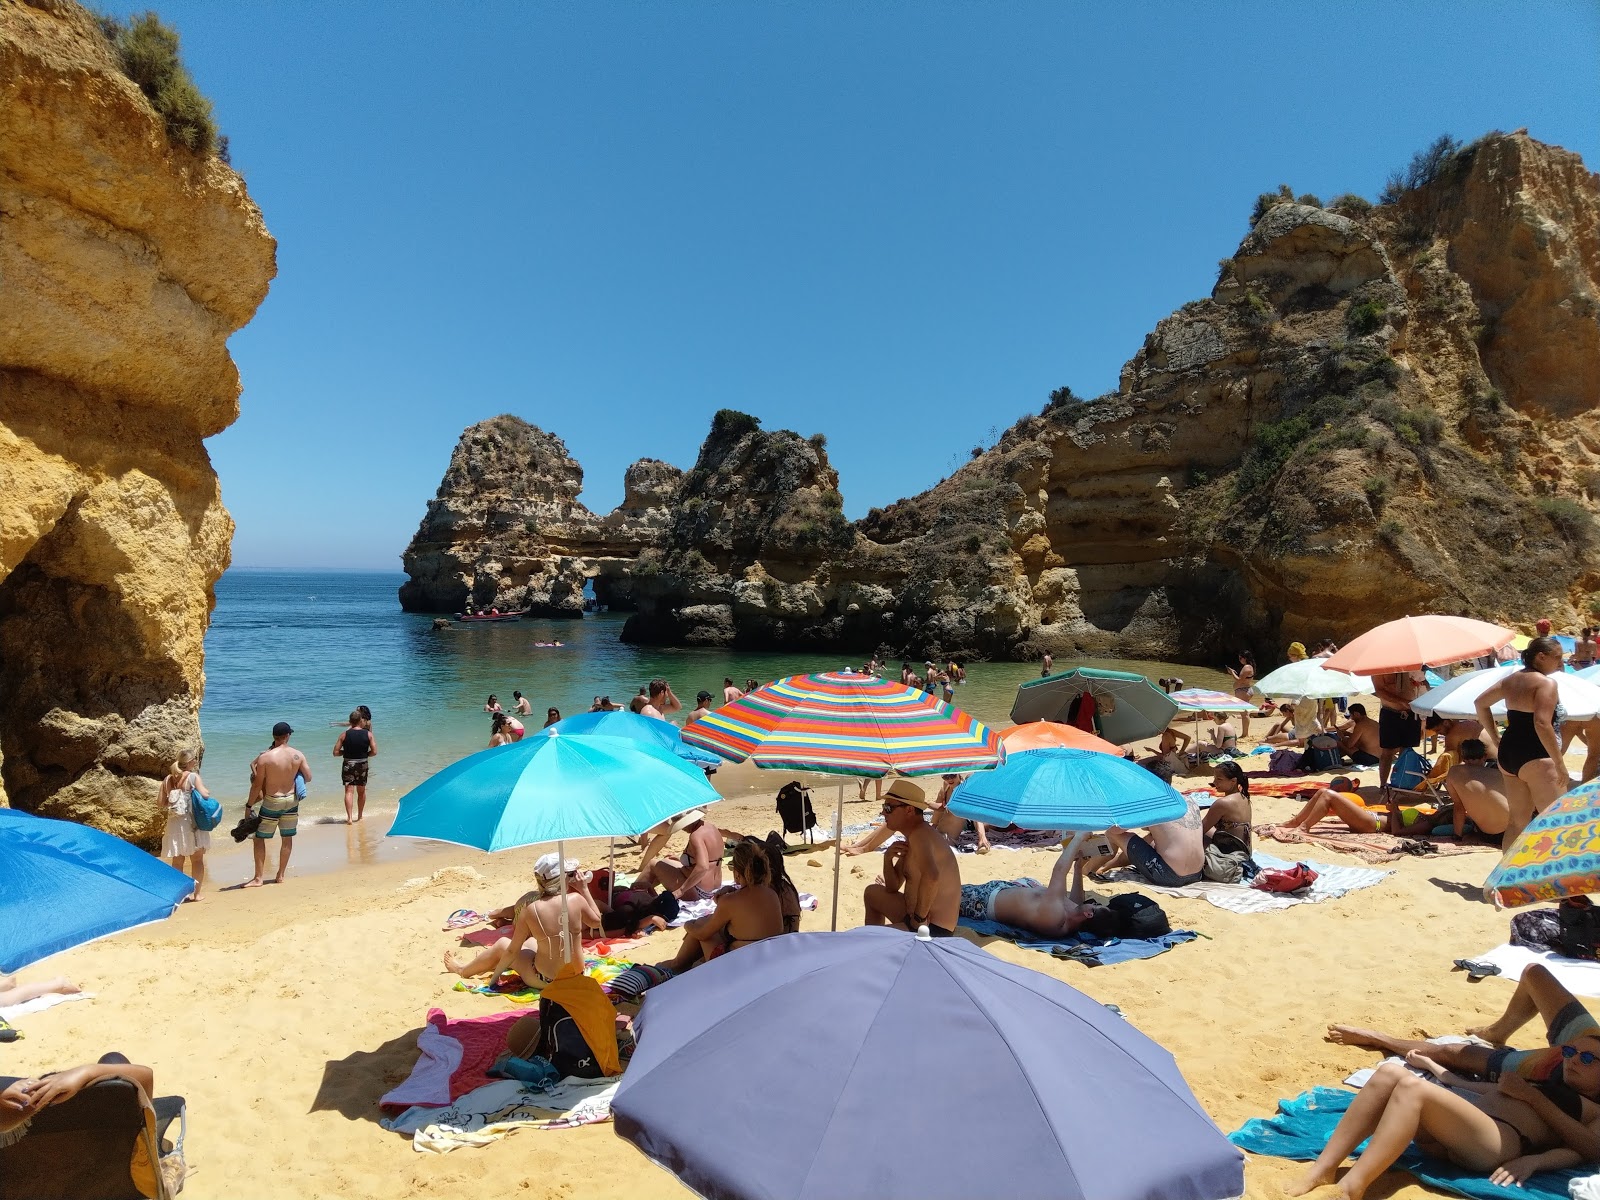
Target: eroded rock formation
pixel 125 264
pixel 1376 411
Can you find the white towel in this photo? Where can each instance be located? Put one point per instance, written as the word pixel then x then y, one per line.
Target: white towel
pixel 1578 976
pixel 39 1003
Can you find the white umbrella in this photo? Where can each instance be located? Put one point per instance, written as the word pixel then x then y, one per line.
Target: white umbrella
pixel 1592 674
pixel 1457 698
pixel 1310 679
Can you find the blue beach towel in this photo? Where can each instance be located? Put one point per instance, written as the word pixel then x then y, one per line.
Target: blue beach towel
pixel 1083 947
pixel 1303 1125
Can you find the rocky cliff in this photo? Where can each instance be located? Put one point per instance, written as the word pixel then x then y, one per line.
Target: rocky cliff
pixel 506 528
pixel 125 264
pixel 1378 410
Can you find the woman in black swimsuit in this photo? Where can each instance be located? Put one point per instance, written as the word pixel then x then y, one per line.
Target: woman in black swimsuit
pixel 1529 750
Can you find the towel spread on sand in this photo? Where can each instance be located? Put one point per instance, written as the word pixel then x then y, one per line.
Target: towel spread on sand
pixel 1084 947
pixel 490 1112
pixel 693 910
pixel 1303 1124
pixel 1332 882
pixel 456 1057
pixel 1373 847
pixel 601 968
pixel 40 1003
pixel 1579 976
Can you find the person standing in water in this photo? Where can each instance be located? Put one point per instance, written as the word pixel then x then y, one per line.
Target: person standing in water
pixel 522 707
pixel 355 746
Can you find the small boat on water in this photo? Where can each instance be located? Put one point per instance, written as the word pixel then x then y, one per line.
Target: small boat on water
pixel 505 616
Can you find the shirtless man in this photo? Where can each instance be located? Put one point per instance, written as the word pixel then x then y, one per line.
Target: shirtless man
pixel 661 700
pixel 921 883
pixel 272 777
pixel 1048 912
pixel 522 708
pixel 729 692
pixel 1477 790
pixel 1398 726
pixel 1170 751
pixel 1359 739
pixel 695 875
pixel 1171 856
pixel 537 916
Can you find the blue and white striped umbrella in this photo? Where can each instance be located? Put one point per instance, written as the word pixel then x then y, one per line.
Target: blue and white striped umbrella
pixel 1060 788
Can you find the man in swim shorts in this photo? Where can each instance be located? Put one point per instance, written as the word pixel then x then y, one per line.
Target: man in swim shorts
pixel 1048 912
pixel 921 883
pixel 1360 738
pixel 1171 856
pixel 272 786
pixel 1398 727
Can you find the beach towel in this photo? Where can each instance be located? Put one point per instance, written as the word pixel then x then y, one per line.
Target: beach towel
pixel 601 947
pixel 1083 947
pixel 1375 847
pixel 693 910
pixel 1332 882
pixel 1579 976
pixel 602 968
pixel 456 1057
pixel 496 1109
pixel 39 1003
pixel 1013 839
pixel 1303 1125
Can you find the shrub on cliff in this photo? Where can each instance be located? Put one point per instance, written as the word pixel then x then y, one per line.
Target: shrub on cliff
pixel 1425 166
pixel 730 423
pixel 147 51
pixel 1569 518
pixel 1350 205
pixel 1366 316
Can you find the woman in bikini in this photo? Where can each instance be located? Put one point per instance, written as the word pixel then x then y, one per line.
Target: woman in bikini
pixel 1244 683
pixel 1529 751
pixel 1229 813
pixel 750 912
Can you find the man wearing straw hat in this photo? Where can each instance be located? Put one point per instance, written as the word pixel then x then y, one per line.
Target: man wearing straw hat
pixel 921 883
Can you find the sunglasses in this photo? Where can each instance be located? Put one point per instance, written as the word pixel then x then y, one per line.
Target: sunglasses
pixel 890 805
pixel 1587 1057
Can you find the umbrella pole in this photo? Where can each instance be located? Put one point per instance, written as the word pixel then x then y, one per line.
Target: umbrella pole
pixel 566 926
pixel 611 876
pixel 838 838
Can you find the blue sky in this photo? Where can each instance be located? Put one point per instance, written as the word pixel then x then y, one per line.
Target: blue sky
pixel 897 224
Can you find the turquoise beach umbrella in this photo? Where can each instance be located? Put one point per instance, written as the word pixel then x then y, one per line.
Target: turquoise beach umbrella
pixel 552 789
pixel 635 727
pixel 1061 788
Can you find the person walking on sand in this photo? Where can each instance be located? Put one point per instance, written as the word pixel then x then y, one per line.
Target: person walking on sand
pixel 921 882
pixel 272 786
pixel 355 746
pixel 183 840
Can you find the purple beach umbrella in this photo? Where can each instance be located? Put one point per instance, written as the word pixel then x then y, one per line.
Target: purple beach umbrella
pixel 878 1064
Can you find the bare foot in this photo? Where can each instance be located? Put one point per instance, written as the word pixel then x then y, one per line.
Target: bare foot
pixel 278 878
pixel 61 985
pixel 659 924
pixel 1488 1033
pixel 1349 1035
pixel 1309 1182
pixel 450 963
pixel 252 883
pixel 1350 1192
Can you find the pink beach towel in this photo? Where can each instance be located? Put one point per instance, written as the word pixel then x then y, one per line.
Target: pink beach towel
pixel 456 1057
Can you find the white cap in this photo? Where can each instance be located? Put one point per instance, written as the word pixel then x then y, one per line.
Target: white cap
pixel 549 867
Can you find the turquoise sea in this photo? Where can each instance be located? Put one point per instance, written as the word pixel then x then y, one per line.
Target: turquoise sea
pixel 308 646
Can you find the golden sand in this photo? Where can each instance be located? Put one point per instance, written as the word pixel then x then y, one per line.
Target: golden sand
pixel 284 1013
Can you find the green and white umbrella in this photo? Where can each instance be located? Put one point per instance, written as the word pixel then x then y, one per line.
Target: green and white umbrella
pixel 1138 708
pixel 1310 679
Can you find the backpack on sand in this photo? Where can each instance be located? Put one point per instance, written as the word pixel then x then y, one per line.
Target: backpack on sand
pixel 562 1042
pixel 1138 916
pixel 1322 753
pixel 1227 859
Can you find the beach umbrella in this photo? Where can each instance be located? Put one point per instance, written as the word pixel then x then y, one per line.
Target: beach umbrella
pixel 1457 698
pixel 1139 708
pixel 1412 642
pixel 1067 789
pixel 1037 735
pixel 1592 674
pixel 66 884
pixel 634 726
pixel 1310 679
pixel 1198 700
pixel 838 1028
pixel 843 724
pixel 1557 855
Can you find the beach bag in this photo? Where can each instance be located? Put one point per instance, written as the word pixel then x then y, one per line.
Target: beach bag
pixel 207 813
pixel 1227 859
pixel 562 1042
pixel 1539 929
pixel 1410 769
pixel 1138 916
pixel 1284 762
pixel 1296 879
pixel 1580 927
pixel 1322 753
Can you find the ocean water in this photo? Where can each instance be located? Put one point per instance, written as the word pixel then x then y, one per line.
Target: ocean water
pixel 307 647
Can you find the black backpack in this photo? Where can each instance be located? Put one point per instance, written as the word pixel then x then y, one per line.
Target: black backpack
pixel 1580 928
pixel 794 807
pixel 1138 916
pixel 562 1042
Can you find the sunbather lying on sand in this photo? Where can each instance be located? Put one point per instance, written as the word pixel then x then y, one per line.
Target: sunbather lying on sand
pixel 1049 912
pixel 1537 1111
pixel 12 992
pixel 1340 799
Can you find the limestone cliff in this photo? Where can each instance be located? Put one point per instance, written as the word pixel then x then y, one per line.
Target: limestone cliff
pixel 507 529
pixel 125 264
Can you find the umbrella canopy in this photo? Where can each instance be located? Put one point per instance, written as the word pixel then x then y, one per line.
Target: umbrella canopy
pixel 838 1029
pixel 1037 735
pixel 1413 642
pixel 1206 700
pixel 1140 710
pixel 636 727
pixel 1557 855
pixel 846 725
pixel 66 884
pixel 1310 679
pixel 551 789
pixel 1067 789
pixel 1592 674
pixel 1457 698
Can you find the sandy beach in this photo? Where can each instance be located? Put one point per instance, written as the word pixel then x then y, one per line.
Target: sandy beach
pixel 284 1013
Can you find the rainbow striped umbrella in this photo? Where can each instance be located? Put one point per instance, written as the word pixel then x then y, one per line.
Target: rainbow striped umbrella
pixel 847 725
pixel 1205 700
pixel 1557 855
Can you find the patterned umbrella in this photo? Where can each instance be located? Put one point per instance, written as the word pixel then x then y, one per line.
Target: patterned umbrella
pixel 1557 855
pixel 846 725
pixel 1197 700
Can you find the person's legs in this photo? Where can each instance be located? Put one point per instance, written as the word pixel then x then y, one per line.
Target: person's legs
pixel 349 803
pixel 12 992
pixel 982 830
pixel 1463 1058
pixel 1546 780
pixel 690 952
pixel 1357 817
pixel 258 848
pixel 482 963
pixel 197 868
pixel 883 906
pixel 1385 761
pixel 1099 864
pixel 1539 993
pixel 285 848
pixel 361 800
pixel 1519 808
pixel 872 841
pixel 665 874
pixel 1357 1124
pixel 1472 1138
